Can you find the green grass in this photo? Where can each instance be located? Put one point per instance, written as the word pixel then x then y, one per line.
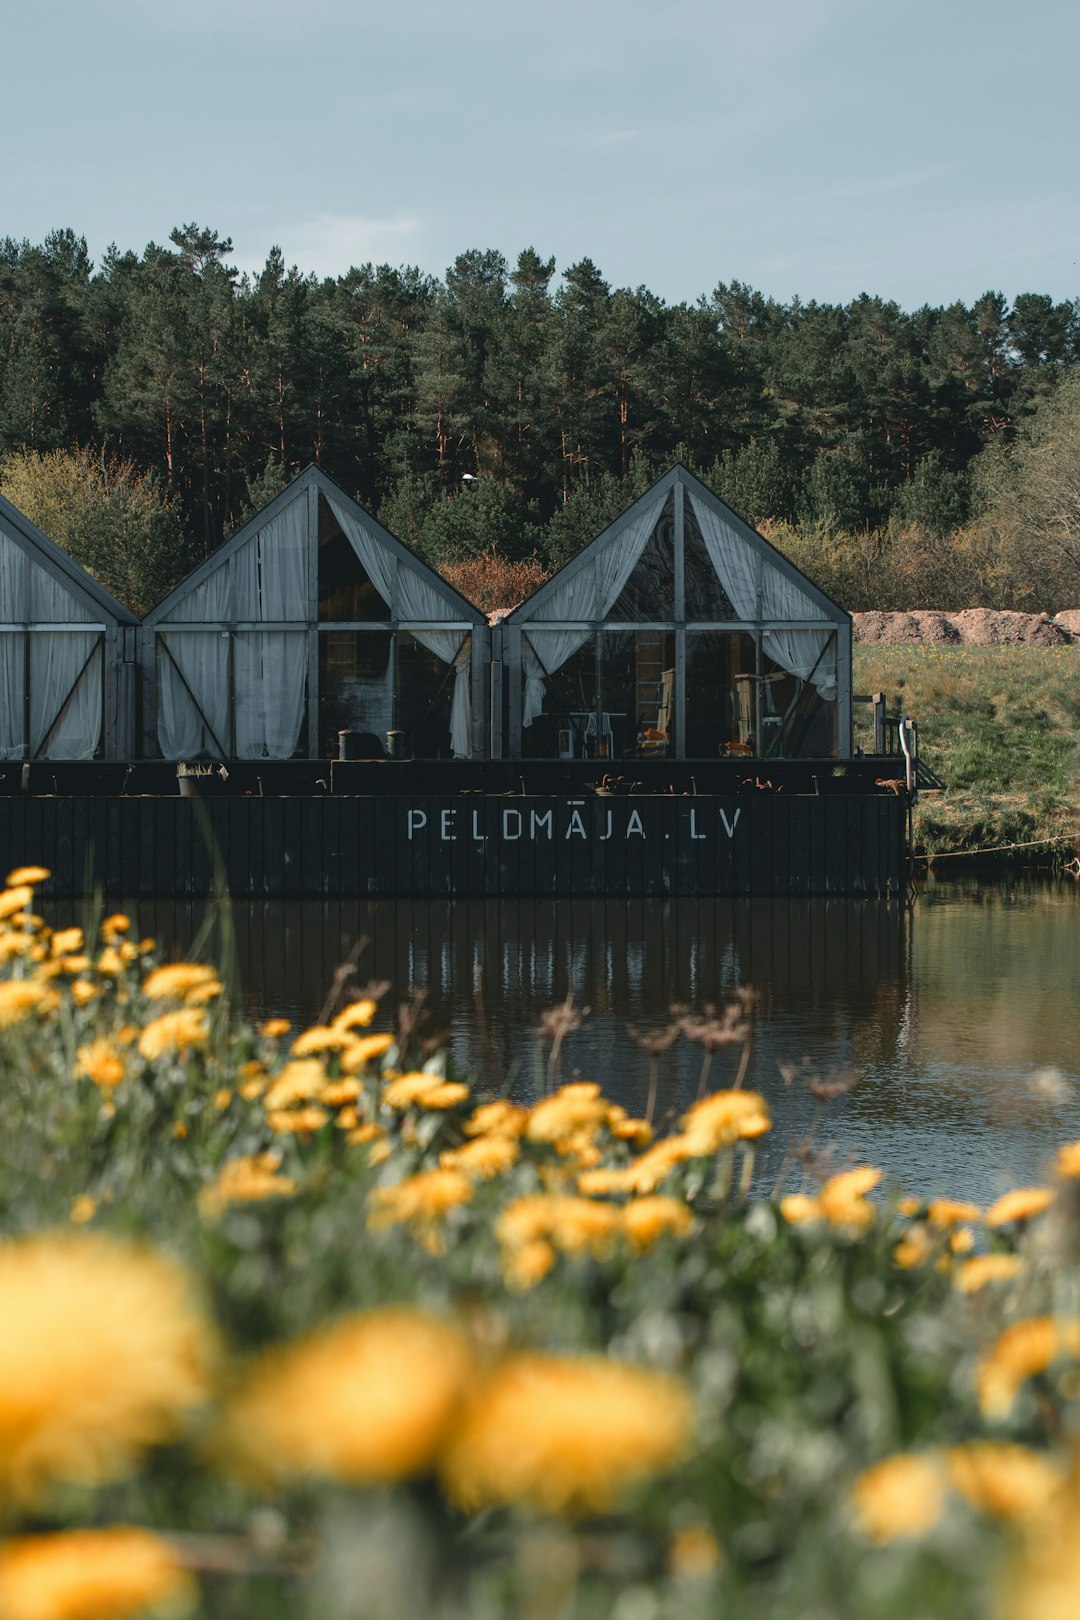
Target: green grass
pixel 999 725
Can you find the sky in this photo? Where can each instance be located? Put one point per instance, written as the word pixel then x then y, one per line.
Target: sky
pixel 924 152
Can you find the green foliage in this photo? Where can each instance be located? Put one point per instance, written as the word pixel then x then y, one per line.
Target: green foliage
pixel 112 519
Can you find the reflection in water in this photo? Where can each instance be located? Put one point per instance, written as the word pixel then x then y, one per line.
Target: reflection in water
pixel 945 1014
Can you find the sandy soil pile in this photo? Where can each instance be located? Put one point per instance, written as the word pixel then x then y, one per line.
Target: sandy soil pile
pixel 973 627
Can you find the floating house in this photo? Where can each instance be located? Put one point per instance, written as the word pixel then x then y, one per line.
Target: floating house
pixel 679 633
pixel 310 622
pixel 67 654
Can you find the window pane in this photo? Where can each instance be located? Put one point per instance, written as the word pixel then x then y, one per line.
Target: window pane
pixel 429 667
pixel 356 688
pixel 636 708
pixel 705 596
pixel 649 593
pixel 801 721
pixel 721 715
pixel 345 591
pixel 560 729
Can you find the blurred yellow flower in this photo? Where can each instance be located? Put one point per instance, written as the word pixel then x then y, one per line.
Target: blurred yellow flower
pixel 421 1200
pixel 66 941
pixel 565 1434
pixel 360 1052
pixel 971 1275
pixel 694 1554
pixel 174 1032
pixel 100 1062
pixel 1005 1481
pixel 110 962
pixel 176 980
pixel 568 1110
pixel 915 1248
pixel 798 1208
pixel 946 1212
pixel 83 992
pixel 320 1038
pixel 14 945
pixel 447 1095
pixel 528 1264
pixel 1067 1161
pixel 497 1119
pixel 19 998
pixel 366 1401
pixel 574 1225
pixel 646 1219
pixel 273 1027
pixel 113 925
pixel 900 1497
pixel 843 1197
pixel 296 1121
pixel 357 1015
pixel 340 1093
pixel 408 1089
pixel 221 1099
pixel 301 1080
pixel 1019 1205
pixel 117 1573
pixel 245 1180
pixel 103 1354
pixel 722 1119
pixel 483 1157
pixel 15 899
pixel 27 875
pixel 83 1209
pixel 1022 1350
pixel 645 1174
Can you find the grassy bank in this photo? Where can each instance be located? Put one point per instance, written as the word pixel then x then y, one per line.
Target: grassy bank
pixel 344 1340
pixel 1001 726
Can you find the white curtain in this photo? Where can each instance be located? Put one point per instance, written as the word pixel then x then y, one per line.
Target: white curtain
pixel 14 609
pixel 589 593
pixel 417 600
pixel 742 571
pixel 203 656
pixel 270 666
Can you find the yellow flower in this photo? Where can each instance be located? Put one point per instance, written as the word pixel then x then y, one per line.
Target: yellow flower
pixel 83 1209
pixel 483 1157
pixel 722 1119
pixel 1067 1162
pixel 221 1099
pixel 15 899
pixel 18 999
pixel 843 1197
pixel 900 1497
pixel 974 1274
pixel 448 1095
pixel 359 1053
pixel 274 1027
pixel 1019 1205
pixel 529 1264
pixel 572 1108
pixel 638 1132
pixel 102 1355
pixel 799 1208
pixel 110 962
pixel 646 1219
pixel 565 1434
pixel 174 1032
pixel 645 1174
pixel 118 1573
pixel 83 992
pixel 908 1205
pixel 113 925
pixel 421 1200
pixel 320 1038
pixel 357 1015
pixel 24 876
pixel 245 1180
pixel 694 1554
pixel 408 1089
pixel 365 1401
pixel 13 945
pixel 100 1062
pixel 177 980
pixel 1005 1481
pixel 374 1134
pixel 946 1212
pixel 297 1121
pixel 339 1093
pixel 66 941
pixel 915 1248
pixel 497 1119
pixel 1022 1351
pixel 302 1080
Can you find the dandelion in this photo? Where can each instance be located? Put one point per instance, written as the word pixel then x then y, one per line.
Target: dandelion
pixel 28 877
pixel 946 1212
pixel 320 1038
pixel 359 1053
pixel 366 1401
pixel 1067 1161
pixel 118 1573
pixel 573 1225
pixel 19 998
pixel 528 1265
pixel 647 1219
pixel 273 1028
pixel 114 926
pixel 971 1275
pixel 843 1197
pixel 83 992
pixel 103 1355
pixel 221 1099
pixel 297 1121
pixel 100 1062
pixel 1020 1205
pixel 66 941
pixel 1021 1352
pixel 408 1089
pixel 448 1095
pixel 645 1174
pixel 1004 1481
pixel 340 1093
pixel 914 1249
pixel 900 1497
pixel 15 945
pixel 247 1180
pixel 302 1080
pixel 573 1108
pixel 110 962
pixel 177 1032
pixel 722 1119
pixel 497 1119
pixel 177 980
pixel 565 1434
pixel 357 1015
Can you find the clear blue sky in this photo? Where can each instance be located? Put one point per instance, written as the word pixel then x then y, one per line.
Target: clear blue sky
pixel 820 148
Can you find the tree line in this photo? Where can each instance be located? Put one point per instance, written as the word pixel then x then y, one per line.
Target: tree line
pixel 503 410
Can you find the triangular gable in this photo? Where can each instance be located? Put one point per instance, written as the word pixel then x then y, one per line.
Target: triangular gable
pixel 747 564
pixel 282 532
pixel 50 587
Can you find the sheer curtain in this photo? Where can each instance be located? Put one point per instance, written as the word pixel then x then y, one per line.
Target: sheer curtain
pixel 589 593
pixel 14 609
pixel 418 600
pixel 184 731
pixel 270 666
pixel 741 570
pixel 58 660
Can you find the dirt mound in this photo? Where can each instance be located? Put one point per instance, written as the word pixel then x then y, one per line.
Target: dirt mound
pixel 972 627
